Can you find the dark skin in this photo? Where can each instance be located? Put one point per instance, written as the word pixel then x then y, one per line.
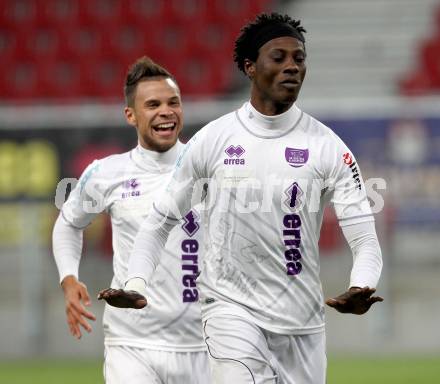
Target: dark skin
pixel 276 79
pixel 277 75
pixel 356 300
pixel 122 299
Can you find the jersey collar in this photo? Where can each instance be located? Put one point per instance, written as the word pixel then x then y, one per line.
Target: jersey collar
pixel 268 126
pixel 158 162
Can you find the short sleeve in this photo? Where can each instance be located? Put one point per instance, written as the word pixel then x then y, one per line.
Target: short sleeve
pixel 345 186
pixel 87 199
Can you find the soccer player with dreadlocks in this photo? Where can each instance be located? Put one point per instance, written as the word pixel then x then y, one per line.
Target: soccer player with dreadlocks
pixel 270 169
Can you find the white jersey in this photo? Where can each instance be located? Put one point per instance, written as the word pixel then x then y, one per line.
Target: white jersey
pixel 125 186
pixel 269 179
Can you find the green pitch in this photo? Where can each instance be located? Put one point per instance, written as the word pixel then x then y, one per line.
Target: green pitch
pixel 384 371
pixel 51 372
pixel 340 371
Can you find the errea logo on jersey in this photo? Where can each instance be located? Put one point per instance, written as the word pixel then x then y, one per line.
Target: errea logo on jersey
pixel 190 264
pixel 191 225
pixel 131 185
pixel 234 153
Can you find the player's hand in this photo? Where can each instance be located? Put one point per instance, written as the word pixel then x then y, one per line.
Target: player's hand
pixel 123 299
pixel 356 300
pixel 75 292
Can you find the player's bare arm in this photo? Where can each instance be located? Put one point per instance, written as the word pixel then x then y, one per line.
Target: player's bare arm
pixel 356 300
pixel 76 298
pixel 121 298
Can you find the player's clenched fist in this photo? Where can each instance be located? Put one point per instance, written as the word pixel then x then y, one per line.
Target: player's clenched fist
pixel 75 292
pixel 122 299
pixel 355 300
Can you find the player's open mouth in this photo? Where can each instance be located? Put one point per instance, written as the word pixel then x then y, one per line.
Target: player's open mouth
pixel 165 129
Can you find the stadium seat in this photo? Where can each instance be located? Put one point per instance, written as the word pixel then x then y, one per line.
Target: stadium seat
pixel 18 13
pixel 8 43
pixel 21 81
pixel 144 12
pixel 57 14
pixel 188 11
pixel 60 79
pixel 100 13
pixel 104 78
pixel 65 49
pixel 204 75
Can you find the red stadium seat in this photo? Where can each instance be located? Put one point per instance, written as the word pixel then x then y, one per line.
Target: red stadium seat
pixel 67 49
pixel 101 13
pixel 204 75
pixel 168 45
pixel 144 13
pixel 42 43
pixel 57 14
pixel 188 11
pixel 20 81
pixel 236 13
pixel 61 80
pixel 82 42
pixel 17 13
pixel 104 78
pixel 9 43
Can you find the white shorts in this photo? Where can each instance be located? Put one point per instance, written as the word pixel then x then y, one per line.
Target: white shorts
pixel 128 365
pixel 242 353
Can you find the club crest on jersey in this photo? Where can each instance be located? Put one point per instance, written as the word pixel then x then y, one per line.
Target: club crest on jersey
pixel 130 185
pixel 348 160
pixel 296 157
pixel 191 225
pixel 234 153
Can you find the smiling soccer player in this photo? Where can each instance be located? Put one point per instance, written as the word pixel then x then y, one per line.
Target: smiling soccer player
pixel 163 342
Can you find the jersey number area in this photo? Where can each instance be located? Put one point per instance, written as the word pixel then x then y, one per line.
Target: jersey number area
pixel 292 231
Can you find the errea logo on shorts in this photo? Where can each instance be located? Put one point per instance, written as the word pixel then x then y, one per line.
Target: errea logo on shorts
pixel 234 153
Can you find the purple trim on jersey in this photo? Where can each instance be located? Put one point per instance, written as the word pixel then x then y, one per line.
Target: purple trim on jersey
pixel 269 137
pixel 296 157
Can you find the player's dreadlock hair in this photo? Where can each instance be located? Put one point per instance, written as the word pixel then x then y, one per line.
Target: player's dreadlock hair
pixel 144 68
pixel 265 27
